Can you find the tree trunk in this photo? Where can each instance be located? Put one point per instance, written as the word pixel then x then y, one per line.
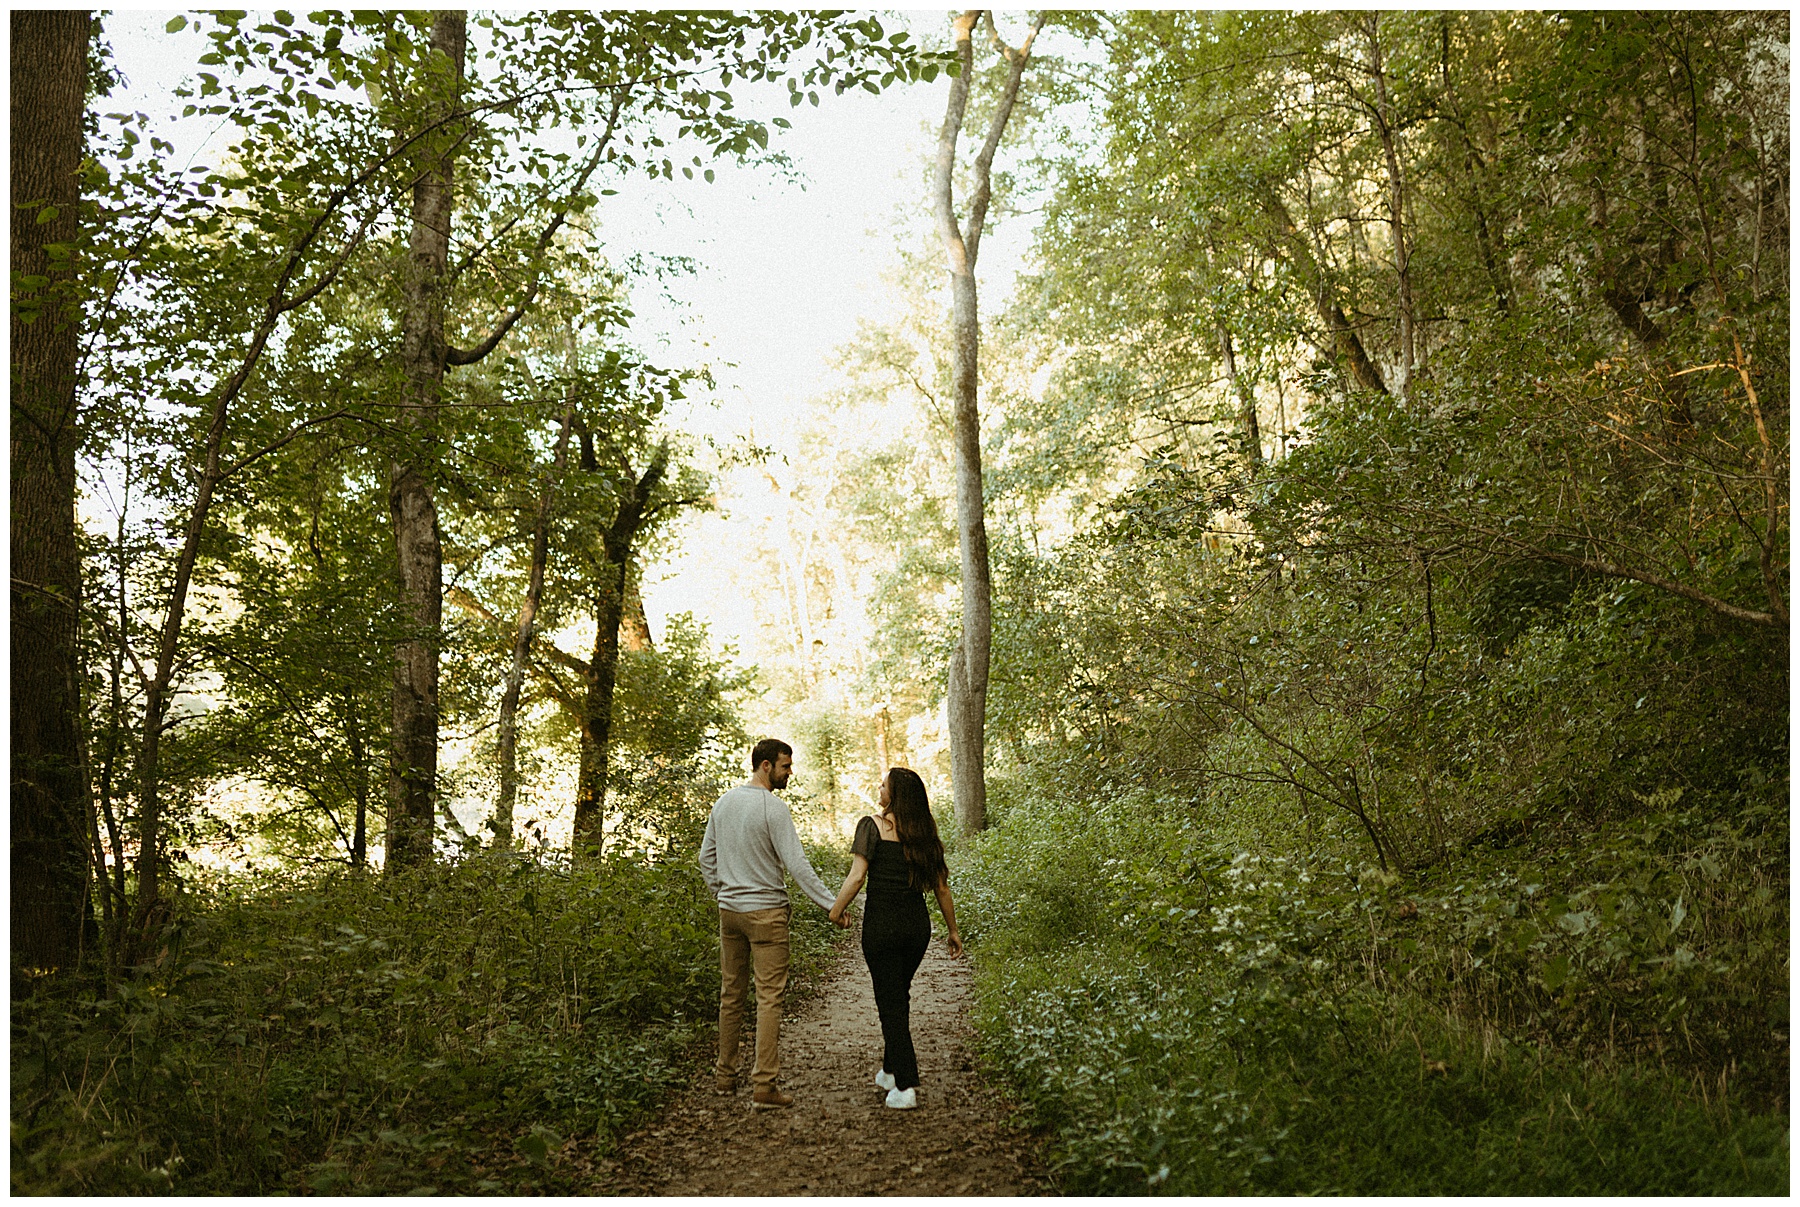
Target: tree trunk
pixel 1384 125
pixel 1344 339
pixel 969 659
pixel 412 784
pixel 634 626
pixel 50 822
pixel 522 635
pixel 603 668
pixel 359 773
pixel 1252 431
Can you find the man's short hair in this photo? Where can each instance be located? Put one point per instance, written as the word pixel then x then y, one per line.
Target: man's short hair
pixel 767 750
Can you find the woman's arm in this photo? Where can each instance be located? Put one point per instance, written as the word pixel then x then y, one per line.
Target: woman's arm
pixel 948 908
pixel 859 872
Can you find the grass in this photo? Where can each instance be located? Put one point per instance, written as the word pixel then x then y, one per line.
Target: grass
pixel 490 1026
pixel 1186 1021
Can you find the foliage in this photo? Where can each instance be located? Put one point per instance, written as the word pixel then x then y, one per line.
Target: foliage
pixel 277 275
pixel 466 1027
pixel 678 740
pixel 1193 1021
pixel 1417 786
pixel 1386 474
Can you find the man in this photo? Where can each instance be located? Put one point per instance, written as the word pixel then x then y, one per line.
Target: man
pixel 750 840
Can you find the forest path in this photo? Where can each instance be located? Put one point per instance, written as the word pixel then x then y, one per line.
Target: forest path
pixel 839 1138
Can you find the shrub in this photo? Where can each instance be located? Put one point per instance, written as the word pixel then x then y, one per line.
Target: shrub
pixel 443 1029
pixel 1187 1020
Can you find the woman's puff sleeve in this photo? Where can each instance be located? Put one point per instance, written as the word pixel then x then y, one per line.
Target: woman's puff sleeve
pixel 867 835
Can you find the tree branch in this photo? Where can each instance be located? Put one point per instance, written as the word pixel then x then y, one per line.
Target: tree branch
pixel 459 356
pixel 984 161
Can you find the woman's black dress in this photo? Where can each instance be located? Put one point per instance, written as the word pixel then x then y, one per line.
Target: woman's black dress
pixel 896 930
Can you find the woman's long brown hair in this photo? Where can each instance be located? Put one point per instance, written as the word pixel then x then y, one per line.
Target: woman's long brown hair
pixel 916 829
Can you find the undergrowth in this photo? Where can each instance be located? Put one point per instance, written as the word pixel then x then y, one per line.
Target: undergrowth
pixel 468 1028
pixel 1602 1016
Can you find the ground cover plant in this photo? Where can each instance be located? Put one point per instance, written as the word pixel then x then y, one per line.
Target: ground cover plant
pixel 488 1026
pixel 1190 1021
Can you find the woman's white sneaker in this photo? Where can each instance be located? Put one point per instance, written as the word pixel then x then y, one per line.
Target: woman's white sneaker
pixel 884 1079
pixel 903 1100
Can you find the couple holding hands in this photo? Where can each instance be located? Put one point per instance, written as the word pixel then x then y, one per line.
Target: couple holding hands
pixel 750 841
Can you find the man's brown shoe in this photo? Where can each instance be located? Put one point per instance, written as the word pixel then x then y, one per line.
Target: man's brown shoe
pixel 725 1085
pixel 770 1099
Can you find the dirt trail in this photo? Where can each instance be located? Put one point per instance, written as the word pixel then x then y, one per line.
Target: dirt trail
pixel 839 1138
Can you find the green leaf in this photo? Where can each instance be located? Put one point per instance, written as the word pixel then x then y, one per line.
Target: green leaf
pixel 175 25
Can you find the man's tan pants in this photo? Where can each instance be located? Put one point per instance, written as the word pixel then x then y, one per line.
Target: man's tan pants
pixel 755 940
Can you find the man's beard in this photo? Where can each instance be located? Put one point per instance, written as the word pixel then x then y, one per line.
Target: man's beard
pixel 777 782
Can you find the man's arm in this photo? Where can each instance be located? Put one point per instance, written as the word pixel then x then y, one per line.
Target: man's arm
pixel 793 858
pixel 709 861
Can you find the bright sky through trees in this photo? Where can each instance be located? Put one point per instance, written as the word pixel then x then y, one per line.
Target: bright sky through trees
pixel 784 268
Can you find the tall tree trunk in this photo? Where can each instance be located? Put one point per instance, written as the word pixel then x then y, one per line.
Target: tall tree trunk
pixel 50 821
pixel 419 555
pixel 603 668
pixel 969 659
pixel 1252 431
pixel 522 635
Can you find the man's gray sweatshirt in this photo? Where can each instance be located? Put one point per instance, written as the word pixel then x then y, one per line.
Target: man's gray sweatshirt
pixel 750 837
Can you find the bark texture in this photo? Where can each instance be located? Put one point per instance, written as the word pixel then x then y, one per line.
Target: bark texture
pixel 523 633
pixel 969 660
pixel 50 816
pixel 418 545
pixel 602 669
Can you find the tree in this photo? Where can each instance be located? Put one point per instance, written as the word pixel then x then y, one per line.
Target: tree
pixel 51 816
pixel 222 262
pixel 215 262
pixel 524 631
pixel 601 674
pixel 1533 519
pixel 629 58
pixel 576 541
pixel 419 556
pixel 968 674
pixel 304 712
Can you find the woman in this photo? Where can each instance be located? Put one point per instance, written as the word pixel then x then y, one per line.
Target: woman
pixel 898 852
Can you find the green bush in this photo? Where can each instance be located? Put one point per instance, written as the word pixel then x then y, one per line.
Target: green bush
pixel 1190 1021
pixel 442 1029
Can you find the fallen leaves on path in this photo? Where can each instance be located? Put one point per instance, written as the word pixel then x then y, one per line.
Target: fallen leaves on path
pixel 839 1138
